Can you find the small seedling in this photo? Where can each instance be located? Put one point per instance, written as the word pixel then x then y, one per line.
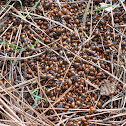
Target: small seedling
pixel 33 46
pixel 18 48
pixel 35 106
pixel 36 96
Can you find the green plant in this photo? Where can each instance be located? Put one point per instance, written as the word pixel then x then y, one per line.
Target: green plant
pixel 37 41
pixel 102 8
pixel 33 46
pixel 14 61
pixel 18 48
pixel 21 6
pixel 35 106
pixel 33 7
pixel 85 34
pixel 36 95
pixel 53 23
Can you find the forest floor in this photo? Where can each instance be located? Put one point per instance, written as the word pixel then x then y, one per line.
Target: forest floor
pixel 62 63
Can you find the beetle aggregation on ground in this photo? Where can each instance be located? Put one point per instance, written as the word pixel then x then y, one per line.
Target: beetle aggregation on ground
pixel 62 62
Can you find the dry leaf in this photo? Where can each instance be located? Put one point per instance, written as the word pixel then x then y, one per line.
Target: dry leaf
pixel 107 87
pixel 3 22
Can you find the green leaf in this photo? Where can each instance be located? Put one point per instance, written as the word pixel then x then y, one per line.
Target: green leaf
pixel 36 96
pixel 3 43
pixel 32 46
pixel 28 46
pixel 37 41
pixel 33 7
pixel 47 100
pixel 23 49
pixel 14 61
pixel 101 8
pixel 34 91
pixel 21 6
pixel 85 34
pixel 53 23
pixel 13 46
